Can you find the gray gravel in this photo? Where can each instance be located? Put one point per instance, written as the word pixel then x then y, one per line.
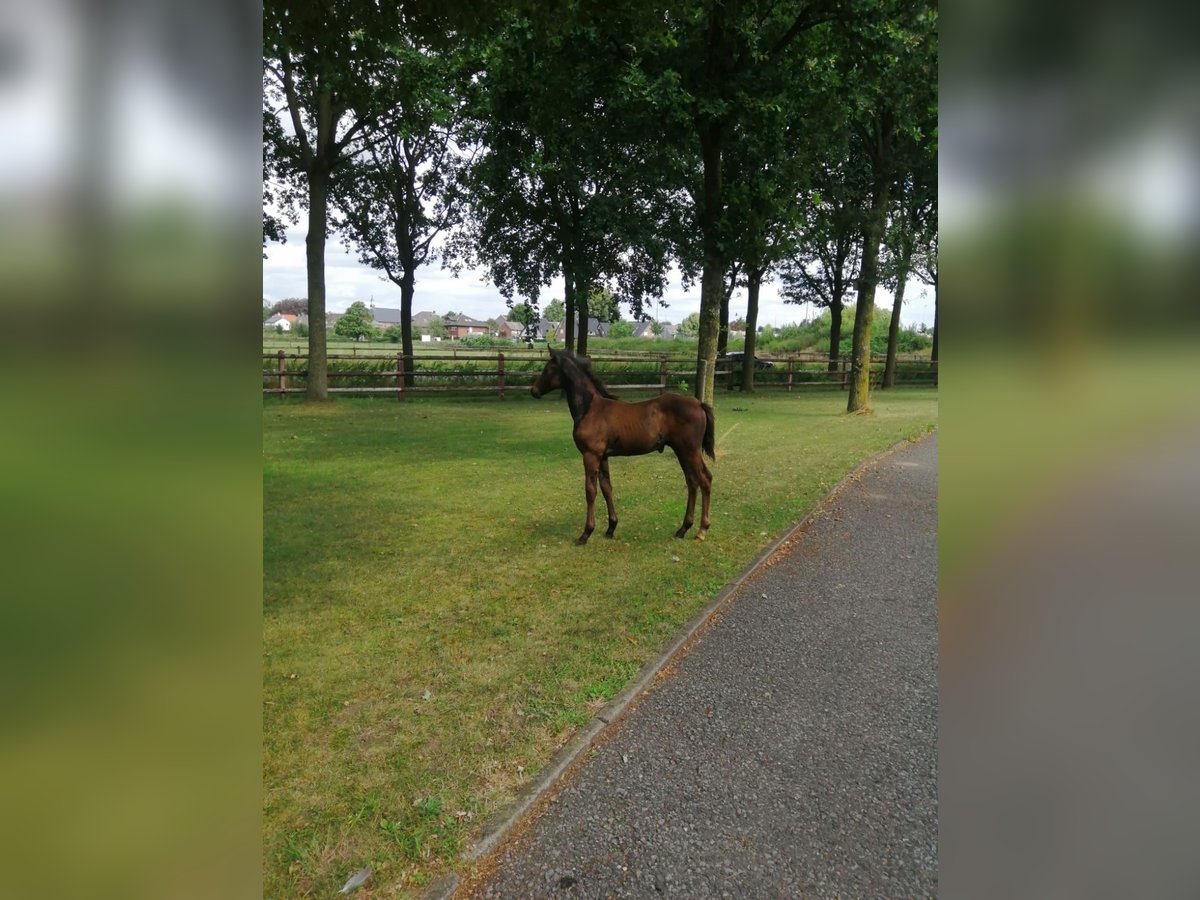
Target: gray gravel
pixel 794 751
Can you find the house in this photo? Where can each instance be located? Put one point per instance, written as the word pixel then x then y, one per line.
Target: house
pixel 537 332
pixel 596 328
pixel 464 326
pixel 422 320
pixel 646 330
pixel 511 330
pixel 281 320
pixel 384 316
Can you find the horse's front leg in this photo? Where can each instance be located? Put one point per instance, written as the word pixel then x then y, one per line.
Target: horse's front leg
pixel 606 487
pixel 591 474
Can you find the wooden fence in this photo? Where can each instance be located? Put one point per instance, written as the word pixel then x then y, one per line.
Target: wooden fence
pixel 284 373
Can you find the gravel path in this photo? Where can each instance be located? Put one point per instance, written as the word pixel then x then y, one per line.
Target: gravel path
pixel 793 752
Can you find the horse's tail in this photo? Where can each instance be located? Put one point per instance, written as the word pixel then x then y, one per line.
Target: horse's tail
pixel 710 428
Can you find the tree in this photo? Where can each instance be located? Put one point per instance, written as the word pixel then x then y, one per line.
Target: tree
pixel 894 75
pixel 913 215
pixel 297 306
pixel 926 269
pixel 772 166
pixel 437 329
pixel 554 311
pixel 569 183
pixel 401 188
pixel 328 68
pixel 690 326
pixel 826 258
pixel 603 305
pixel 356 323
pixel 717 63
pixel 621 330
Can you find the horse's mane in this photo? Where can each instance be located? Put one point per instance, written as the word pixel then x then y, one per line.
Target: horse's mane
pixel 584 365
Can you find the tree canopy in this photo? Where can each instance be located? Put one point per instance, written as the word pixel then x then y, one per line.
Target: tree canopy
pixel 356 322
pixel 604 143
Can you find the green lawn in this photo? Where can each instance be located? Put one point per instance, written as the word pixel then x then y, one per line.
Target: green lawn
pixel 431 633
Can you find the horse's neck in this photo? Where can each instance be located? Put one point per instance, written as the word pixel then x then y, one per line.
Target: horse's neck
pixel 581 396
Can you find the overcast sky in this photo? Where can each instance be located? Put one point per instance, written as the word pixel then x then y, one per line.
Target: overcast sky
pixel 347 280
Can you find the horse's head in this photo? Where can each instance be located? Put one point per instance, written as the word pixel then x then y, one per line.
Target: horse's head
pixel 550 379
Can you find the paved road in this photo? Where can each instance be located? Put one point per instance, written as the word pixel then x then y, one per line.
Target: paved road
pixel 794 751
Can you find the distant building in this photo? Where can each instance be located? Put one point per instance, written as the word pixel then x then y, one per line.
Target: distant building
pixel 464 326
pixel 424 319
pixel 596 328
pixel 515 331
pixel 384 316
pixel 646 330
pixel 282 320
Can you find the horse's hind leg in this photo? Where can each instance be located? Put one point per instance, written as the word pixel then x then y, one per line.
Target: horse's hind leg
pixel 591 472
pixel 705 478
pixel 692 483
pixel 606 488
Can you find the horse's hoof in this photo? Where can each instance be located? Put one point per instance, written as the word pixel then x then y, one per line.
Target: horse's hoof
pixel 581 540
pixel 681 533
pixel 700 536
pixel 609 535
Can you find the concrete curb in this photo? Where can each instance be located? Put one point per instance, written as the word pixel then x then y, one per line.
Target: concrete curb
pixel 506 819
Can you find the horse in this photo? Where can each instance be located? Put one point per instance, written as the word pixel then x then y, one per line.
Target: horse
pixel 607 426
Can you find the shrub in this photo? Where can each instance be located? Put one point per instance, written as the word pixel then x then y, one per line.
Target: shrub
pixel 620 330
pixel 483 341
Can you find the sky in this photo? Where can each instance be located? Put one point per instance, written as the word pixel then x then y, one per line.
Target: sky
pixel 347 280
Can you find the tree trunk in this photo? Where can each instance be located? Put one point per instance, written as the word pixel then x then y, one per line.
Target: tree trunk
pixel 753 283
pixel 835 329
pixel 713 278
pixel 407 283
pixel 568 305
pixel 723 332
pixel 317 382
pixel 889 368
pixel 868 278
pixel 933 350
pixel 581 311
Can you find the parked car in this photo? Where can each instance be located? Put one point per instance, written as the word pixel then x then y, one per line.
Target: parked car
pixel 759 362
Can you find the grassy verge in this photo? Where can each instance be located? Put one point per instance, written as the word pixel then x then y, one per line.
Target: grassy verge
pixel 431 633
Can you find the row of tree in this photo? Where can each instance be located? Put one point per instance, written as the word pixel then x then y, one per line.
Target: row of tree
pixel 602 143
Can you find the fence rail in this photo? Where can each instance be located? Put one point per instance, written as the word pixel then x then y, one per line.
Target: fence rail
pixel 518 369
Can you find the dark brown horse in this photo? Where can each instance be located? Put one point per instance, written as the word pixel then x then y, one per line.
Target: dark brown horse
pixel 606 426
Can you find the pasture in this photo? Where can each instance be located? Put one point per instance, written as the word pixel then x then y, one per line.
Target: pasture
pixel 431 632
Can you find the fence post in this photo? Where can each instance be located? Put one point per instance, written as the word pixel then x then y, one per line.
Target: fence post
pixel 662 375
pixel 843 359
pixel 791 360
pixel 399 376
pixel 282 389
pixel 729 381
pixel 501 371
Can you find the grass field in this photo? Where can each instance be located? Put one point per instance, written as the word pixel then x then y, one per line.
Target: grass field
pixel 431 633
